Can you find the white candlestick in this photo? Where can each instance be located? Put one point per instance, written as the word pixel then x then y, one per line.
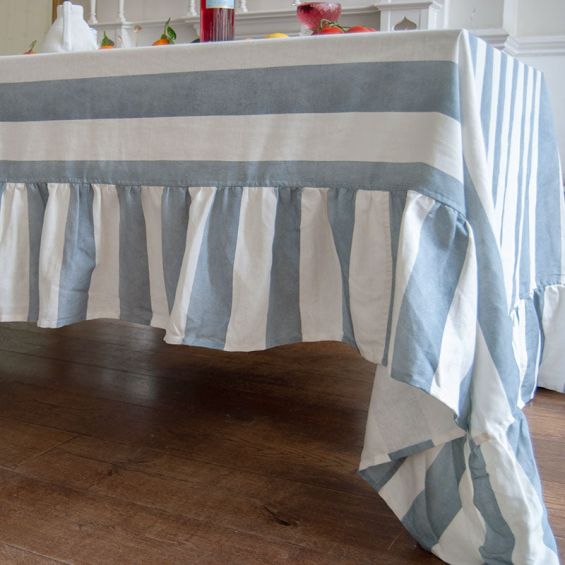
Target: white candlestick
pixel 243 6
pixel 192 9
pixel 121 11
pixel 92 18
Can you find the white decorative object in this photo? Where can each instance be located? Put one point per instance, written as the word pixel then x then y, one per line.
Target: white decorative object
pixel 69 32
pixel 243 6
pixel 92 18
pixel 425 14
pixel 192 12
pixel 121 12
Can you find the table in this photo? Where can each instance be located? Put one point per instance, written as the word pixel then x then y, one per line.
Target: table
pixel 400 192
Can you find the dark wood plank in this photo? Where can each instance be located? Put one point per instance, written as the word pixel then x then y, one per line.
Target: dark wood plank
pixel 17 556
pixel 321 372
pixel 92 529
pixel 20 441
pixel 256 431
pixel 276 509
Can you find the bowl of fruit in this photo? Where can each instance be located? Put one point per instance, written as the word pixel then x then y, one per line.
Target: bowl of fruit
pixel 311 14
pixel 321 18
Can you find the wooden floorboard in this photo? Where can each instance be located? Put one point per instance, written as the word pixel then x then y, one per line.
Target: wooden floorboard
pixel 117 448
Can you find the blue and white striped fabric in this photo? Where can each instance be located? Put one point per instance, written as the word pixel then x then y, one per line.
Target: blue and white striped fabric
pixel 400 192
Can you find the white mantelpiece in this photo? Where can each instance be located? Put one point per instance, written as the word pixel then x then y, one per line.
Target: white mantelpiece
pixel 427 14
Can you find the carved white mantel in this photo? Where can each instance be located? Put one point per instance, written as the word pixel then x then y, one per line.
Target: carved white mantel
pixel 425 14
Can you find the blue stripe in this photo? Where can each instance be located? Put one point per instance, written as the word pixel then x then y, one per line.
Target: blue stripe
pixel 511 133
pixel 390 177
pixel 425 304
pixel 37 196
pixel 379 475
pixel 525 275
pixel 549 199
pixel 79 256
pixel 533 343
pixel 211 299
pixel 493 317
pixel 520 209
pixel 499 119
pixel 435 507
pixel 518 436
pixel 464 407
pixel 283 317
pixel 499 540
pixel 135 295
pixel 486 98
pixel 539 301
pixel 341 215
pixel 403 86
pixel 175 207
pixel 411 450
pixel 397 204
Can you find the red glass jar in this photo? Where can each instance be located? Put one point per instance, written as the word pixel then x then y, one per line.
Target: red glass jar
pixel 217 19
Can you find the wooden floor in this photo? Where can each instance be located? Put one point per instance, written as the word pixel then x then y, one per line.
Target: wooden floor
pixel 116 448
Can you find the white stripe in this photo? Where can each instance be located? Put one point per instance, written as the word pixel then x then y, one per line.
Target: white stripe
pixel 252 271
pixel 518 502
pixel 474 151
pixel 552 371
pixel 493 412
pixel 525 212
pixel 104 291
pixel 494 109
pixel 51 253
pixel 509 211
pixel 458 341
pixel 480 70
pixel 420 46
pixel 151 204
pixel 202 199
pixel 400 416
pixel 416 211
pixel 520 344
pixel 533 186
pixel 393 137
pixel 370 273
pixel 562 226
pixel 320 274
pixel 14 253
pixel 503 142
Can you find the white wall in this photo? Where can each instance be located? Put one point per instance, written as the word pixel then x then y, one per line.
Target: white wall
pixel 22 21
pixel 475 14
pixel 541 17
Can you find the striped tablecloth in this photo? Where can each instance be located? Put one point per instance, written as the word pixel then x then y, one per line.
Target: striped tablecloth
pixel 400 192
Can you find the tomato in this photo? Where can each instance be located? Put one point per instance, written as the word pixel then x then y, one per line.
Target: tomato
pixel 360 29
pixel 329 30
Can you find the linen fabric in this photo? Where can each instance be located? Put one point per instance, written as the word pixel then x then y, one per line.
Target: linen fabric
pixel 399 192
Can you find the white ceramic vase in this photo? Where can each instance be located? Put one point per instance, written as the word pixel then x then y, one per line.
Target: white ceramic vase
pixel 69 32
